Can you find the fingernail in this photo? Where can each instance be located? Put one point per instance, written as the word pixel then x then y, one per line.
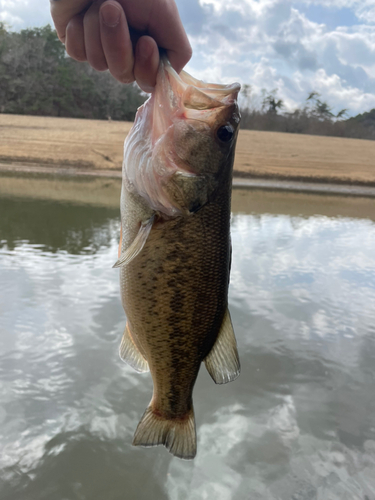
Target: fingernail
pixel 110 14
pixel 146 88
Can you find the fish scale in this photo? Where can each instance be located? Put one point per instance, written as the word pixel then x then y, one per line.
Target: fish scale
pixel 153 301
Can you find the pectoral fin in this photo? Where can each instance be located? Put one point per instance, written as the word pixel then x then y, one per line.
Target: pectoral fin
pixel 222 362
pixel 138 243
pixel 130 353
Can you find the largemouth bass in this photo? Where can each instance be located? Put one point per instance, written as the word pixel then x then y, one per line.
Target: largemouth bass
pixel 175 249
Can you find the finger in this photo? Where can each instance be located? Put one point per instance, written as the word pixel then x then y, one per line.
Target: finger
pixel 116 43
pixel 166 28
pixel 63 11
pixel 93 45
pixel 146 63
pixel 75 40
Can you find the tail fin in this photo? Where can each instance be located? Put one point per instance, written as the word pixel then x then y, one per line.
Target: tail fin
pixel 177 435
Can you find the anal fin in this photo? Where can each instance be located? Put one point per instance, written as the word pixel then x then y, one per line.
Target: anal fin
pixel 139 242
pixel 222 362
pixel 130 353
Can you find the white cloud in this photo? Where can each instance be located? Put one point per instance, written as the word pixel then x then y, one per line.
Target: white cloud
pixel 276 45
pixel 20 14
pixel 363 9
pixel 269 43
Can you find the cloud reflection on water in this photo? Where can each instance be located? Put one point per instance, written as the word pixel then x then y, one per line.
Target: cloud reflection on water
pixel 298 424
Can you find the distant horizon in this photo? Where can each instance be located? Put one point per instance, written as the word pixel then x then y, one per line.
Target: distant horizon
pixel 294 46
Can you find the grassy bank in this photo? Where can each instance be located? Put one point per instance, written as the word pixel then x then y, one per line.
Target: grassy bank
pixel 97 145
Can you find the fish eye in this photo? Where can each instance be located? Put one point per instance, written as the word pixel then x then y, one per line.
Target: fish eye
pixel 225 133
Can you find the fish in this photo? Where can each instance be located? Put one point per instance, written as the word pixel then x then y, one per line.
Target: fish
pixel 175 249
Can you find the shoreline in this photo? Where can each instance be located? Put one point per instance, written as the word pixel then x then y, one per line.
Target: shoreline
pixel 316 186
pixel 273 161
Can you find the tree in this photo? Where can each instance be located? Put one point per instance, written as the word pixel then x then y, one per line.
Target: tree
pixel 246 92
pixel 270 102
pixel 341 114
pixel 38 78
pixel 319 108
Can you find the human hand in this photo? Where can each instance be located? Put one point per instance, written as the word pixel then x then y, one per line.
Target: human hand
pixel 123 36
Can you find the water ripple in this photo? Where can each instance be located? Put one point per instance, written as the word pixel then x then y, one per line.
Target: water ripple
pixel 300 421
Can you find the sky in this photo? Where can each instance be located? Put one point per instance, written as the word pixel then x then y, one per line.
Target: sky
pixel 294 46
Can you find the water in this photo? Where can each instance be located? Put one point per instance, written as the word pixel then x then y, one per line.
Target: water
pixel 298 424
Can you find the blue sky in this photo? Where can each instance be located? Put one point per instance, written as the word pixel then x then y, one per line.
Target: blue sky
pixel 294 46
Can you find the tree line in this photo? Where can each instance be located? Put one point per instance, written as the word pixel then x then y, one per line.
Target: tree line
pixel 38 78
pixel 315 116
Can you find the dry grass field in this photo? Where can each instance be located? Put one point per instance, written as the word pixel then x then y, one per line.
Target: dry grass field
pixel 92 144
pixel 59 142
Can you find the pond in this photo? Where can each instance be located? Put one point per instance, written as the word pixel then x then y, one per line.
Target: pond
pixel 299 423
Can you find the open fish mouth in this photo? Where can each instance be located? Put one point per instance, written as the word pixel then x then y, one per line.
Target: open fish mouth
pixel 190 95
pixel 181 118
pixel 181 96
